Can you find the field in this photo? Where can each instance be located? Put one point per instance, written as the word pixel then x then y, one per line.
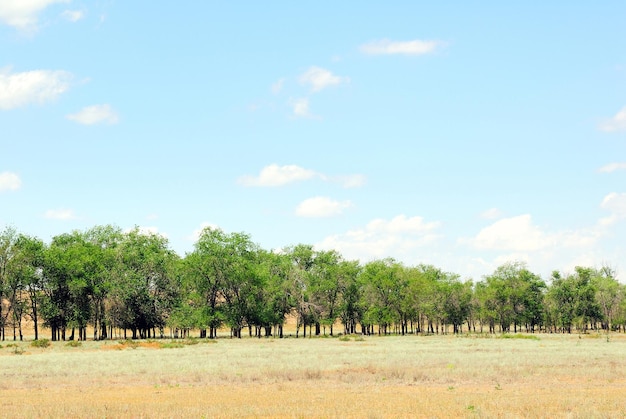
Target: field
pixel 577 376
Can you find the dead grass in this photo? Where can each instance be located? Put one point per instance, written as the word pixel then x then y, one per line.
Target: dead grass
pixel 434 376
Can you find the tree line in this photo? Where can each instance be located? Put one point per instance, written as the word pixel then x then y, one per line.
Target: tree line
pixel 132 285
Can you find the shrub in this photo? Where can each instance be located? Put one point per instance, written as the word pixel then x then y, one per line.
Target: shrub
pixel 41 343
pixel 129 342
pixel 519 336
pixel 171 345
pixel 74 343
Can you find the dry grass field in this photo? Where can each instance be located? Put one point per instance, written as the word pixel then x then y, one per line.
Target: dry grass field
pixel 376 377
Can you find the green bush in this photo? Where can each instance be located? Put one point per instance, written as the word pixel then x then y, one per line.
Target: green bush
pixel 41 343
pixel 519 336
pixel 171 345
pixel 74 343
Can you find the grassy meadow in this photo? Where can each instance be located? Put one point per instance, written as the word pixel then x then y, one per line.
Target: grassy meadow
pixel 574 376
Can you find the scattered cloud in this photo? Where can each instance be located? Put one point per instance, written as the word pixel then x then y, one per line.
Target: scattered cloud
pixel 617 123
pixel 318 79
pixel 278 86
pixel 491 214
pixel 73 15
pixel 275 175
pixel 24 14
pixel 60 214
pixel 612 167
pixel 37 86
pixel 519 234
pixel 387 47
pixel 9 181
pixel 615 203
pixel 515 233
pixel 95 114
pixel 347 181
pixel 380 238
pixel 301 108
pixel 320 206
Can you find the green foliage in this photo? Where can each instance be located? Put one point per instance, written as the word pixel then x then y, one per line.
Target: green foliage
pixel 74 344
pixel 129 343
pixel 519 336
pixel 105 278
pixel 41 343
pixel 171 345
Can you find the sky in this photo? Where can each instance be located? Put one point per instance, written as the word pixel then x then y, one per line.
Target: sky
pixel 459 135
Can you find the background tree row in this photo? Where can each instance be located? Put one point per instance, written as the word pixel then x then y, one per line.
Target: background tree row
pixel 130 284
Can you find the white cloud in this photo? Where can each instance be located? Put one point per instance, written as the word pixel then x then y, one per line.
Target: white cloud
pixel 301 108
pixel 274 175
pixel 9 181
pixel 515 233
pixel 612 167
pixel 615 203
pixel 60 214
pixel 519 234
pixel 73 15
pixel 380 238
pixel 491 214
pixel 94 115
pixel 321 206
pixel 318 79
pixel 387 47
pixel 349 181
pixel 23 14
pixel 278 86
pixel 38 86
pixel 617 123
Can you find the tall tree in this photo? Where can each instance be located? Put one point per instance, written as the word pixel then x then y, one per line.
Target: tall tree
pixel 146 289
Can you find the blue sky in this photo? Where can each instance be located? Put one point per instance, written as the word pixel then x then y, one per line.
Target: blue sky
pixel 458 135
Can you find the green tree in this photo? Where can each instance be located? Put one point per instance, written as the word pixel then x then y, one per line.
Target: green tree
pixel 146 289
pixel 512 295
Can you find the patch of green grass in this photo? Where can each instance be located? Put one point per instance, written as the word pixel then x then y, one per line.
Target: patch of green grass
pixel 129 342
pixel 74 343
pixel 519 336
pixel 191 341
pixel 171 345
pixel 17 349
pixel 345 338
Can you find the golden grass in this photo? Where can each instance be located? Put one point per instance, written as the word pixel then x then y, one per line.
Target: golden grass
pixel 433 376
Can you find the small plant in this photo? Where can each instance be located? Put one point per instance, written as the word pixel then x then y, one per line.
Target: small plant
pixel 344 338
pixel 171 345
pixel 359 339
pixel 41 343
pixel 74 343
pixel 17 350
pixel 129 342
pixel 519 336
